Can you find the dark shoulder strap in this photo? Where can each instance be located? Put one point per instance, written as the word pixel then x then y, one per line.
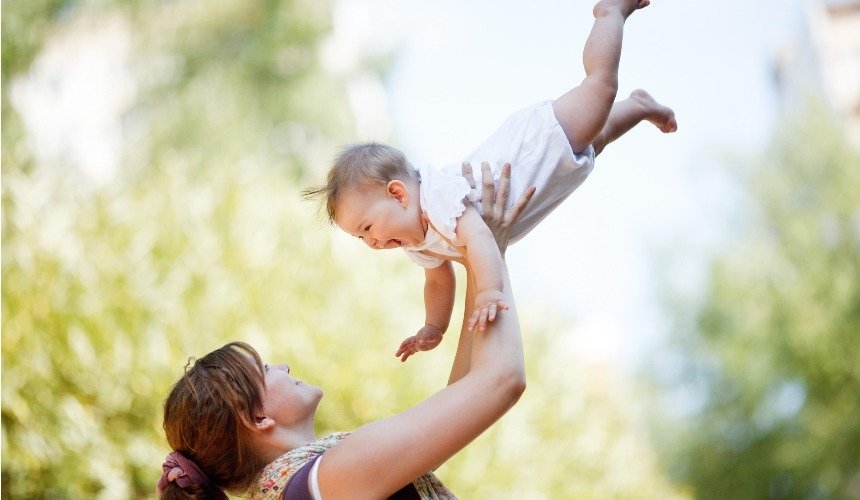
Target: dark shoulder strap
pixel 298 487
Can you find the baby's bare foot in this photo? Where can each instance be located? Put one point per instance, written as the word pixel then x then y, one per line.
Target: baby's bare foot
pixel 661 116
pixel 625 7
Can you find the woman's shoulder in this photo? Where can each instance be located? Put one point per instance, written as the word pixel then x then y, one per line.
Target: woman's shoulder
pixel 275 476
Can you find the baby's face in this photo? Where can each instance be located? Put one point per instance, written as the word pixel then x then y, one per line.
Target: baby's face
pixel 381 216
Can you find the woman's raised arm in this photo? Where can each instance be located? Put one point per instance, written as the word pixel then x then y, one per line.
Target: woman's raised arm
pixel 380 458
pixel 500 221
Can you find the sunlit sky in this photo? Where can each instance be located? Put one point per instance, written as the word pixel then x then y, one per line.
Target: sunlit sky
pixel 459 68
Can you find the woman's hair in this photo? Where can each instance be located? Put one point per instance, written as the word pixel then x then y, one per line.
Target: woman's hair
pixel 364 164
pixel 208 417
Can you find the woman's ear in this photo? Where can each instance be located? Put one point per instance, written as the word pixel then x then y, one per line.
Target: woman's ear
pixel 263 423
pixel 260 423
pixel 398 190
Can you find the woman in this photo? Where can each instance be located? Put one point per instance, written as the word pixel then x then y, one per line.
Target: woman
pixel 242 426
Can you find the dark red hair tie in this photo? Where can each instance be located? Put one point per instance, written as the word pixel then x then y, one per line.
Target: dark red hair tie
pixel 181 470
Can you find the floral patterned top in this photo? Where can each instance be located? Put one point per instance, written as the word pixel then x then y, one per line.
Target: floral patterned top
pixel 275 476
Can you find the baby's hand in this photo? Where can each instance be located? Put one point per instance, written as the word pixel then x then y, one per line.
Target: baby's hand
pixel 487 304
pixel 428 337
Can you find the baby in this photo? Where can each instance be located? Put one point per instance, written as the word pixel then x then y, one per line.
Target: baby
pixel 373 192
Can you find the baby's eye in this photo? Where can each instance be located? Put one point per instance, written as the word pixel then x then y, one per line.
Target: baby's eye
pixel 368 227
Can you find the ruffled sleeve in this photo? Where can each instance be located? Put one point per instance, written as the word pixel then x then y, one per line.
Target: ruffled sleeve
pixel 425 261
pixel 443 198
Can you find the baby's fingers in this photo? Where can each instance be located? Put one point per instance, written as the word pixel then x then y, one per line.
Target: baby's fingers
pixel 482 320
pixel 407 353
pixel 473 319
pixel 404 346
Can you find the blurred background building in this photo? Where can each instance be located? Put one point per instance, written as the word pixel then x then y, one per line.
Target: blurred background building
pixel 824 61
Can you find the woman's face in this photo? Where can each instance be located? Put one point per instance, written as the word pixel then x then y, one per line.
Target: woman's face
pixel 288 400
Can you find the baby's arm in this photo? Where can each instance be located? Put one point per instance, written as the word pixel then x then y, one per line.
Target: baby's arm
pixel 439 288
pixel 485 261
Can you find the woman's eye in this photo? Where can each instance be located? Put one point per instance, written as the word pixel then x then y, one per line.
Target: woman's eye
pixel 266 367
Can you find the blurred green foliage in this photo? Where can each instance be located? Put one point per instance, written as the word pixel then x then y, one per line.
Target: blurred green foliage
pixel 200 238
pixel 776 345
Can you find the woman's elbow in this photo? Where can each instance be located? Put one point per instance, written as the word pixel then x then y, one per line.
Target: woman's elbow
pixel 512 384
pixel 519 386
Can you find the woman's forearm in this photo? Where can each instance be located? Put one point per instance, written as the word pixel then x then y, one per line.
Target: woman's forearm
pixel 500 349
pixel 463 357
pixel 401 450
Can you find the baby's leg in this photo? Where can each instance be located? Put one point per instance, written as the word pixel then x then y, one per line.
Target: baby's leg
pixel 628 113
pixel 582 111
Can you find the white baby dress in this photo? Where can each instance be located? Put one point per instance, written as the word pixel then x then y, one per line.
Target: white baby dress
pixel 535 145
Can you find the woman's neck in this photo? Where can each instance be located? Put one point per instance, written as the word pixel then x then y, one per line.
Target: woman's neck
pixel 283 440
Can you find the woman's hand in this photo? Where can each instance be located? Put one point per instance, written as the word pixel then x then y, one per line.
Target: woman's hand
pixel 493 204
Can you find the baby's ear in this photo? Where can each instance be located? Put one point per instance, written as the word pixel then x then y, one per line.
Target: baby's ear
pixel 399 191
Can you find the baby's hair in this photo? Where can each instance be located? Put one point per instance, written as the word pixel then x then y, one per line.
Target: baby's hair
pixel 363 164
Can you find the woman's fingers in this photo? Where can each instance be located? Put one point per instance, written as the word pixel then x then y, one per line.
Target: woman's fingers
pixel 468 174
pixel 489 188
pixel 520 205
pixel 504 191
